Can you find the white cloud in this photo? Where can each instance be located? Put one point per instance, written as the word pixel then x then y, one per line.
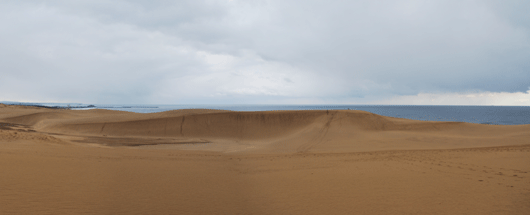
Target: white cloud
pixel 482 98
pixel 263 51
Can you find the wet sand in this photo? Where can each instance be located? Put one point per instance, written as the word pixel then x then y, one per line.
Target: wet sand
pixel 277 162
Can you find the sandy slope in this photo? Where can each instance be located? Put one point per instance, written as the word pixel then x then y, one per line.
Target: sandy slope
pixel 277 162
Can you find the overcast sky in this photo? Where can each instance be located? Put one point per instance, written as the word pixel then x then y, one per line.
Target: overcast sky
pixel 266 52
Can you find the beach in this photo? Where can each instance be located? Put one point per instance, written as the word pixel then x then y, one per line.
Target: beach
pixel 59 161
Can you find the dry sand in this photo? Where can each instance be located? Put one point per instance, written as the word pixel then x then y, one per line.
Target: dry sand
pixel 278 162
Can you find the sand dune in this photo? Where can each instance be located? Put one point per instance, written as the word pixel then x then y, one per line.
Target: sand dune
pixel 274 131
pixel 274 162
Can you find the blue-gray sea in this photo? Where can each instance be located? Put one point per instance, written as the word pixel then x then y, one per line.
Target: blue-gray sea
pixel 498 115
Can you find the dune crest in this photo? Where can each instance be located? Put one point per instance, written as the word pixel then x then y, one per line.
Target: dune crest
pixel 271 131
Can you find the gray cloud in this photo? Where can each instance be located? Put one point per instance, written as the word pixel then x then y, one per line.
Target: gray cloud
pixel 260 51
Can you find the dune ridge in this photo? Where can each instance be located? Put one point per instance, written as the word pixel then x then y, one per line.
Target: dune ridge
pixel 273 131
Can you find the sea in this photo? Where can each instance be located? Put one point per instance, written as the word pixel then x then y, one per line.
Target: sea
pixel 496 115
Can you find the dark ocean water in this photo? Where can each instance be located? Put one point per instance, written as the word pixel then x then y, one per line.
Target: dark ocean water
pixel 498 115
